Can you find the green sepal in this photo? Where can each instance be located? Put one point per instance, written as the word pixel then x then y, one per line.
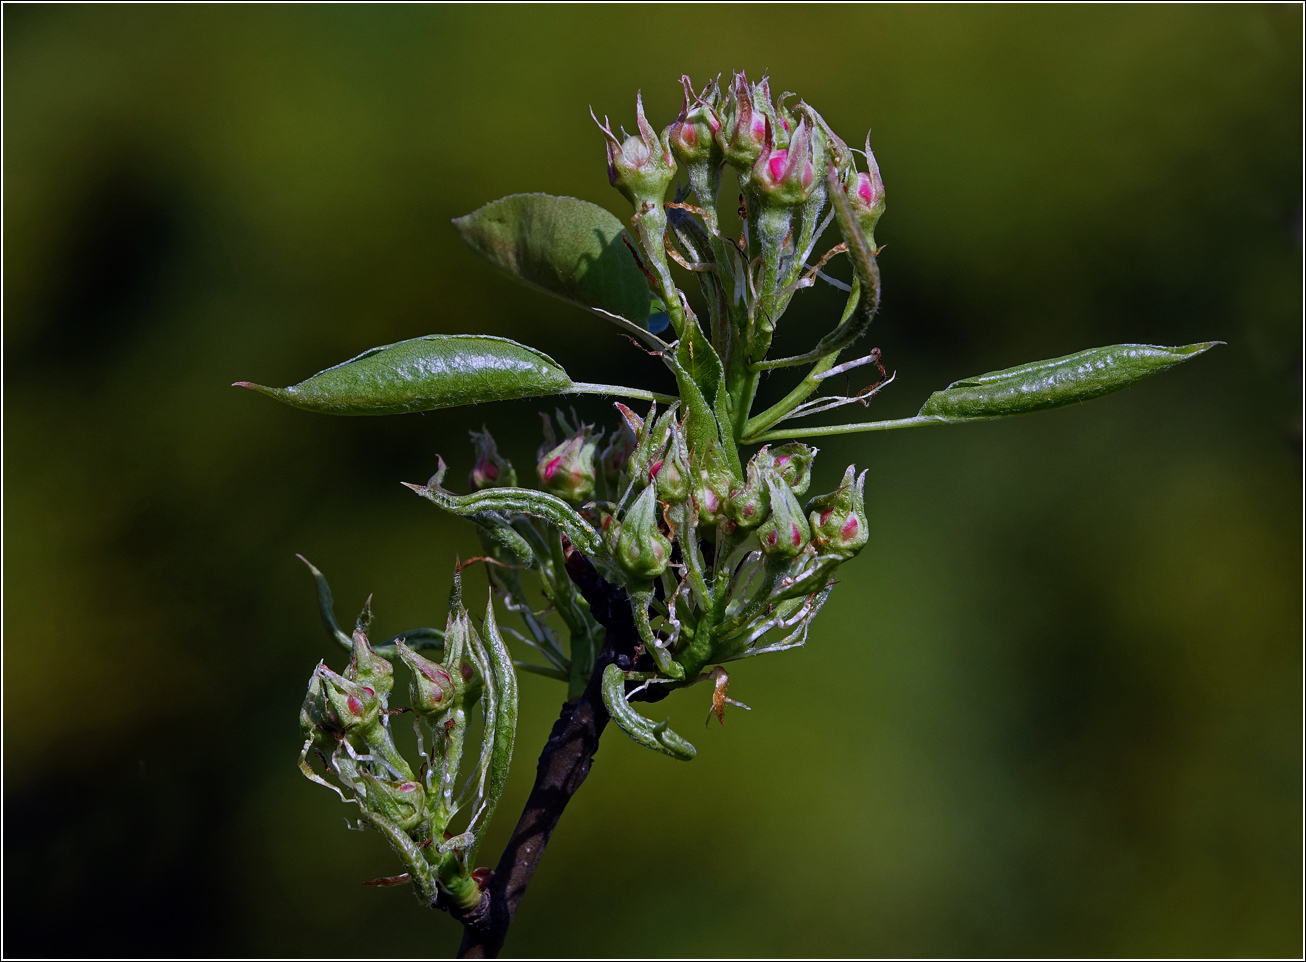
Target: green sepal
pixel 1062 380
pixel 657 736
pixel 570 248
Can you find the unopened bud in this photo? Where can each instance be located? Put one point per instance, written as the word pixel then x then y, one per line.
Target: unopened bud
pixel 640 167
pixel 671 474
pixel 402 802
pixel 491 470
pixel 568 469
pixel 839 518
pixel 338 705
pixel 749 505
pixel 866 193
pixel 743 130
pixel 651 445
pixel 786 176
pixel 433 689
pixel 614 457
pixel 785 533
pixel 642 549
pixel 368 668
pixel 692 137
pixel 793 462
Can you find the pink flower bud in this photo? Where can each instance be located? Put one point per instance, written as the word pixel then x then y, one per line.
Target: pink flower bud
pixel 433 688
pixel 336 704
pixel 640 167
pixel 866 193
pixel 785 533
pixel 750 504
pixel 743 129
pixel 787 176
pixel 793 462
pixel 490 470
pixel 568 470
pixel 839 525
pixel 692 137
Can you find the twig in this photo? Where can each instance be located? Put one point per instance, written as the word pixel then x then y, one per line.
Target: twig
pixel 563 766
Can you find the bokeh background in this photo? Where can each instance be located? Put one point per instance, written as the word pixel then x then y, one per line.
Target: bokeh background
pixel 1054 708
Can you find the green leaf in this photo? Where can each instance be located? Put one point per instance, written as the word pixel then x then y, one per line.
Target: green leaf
pixel 566 247
pixel 425 373
pixel 1062 380
pixel 658 736
pixel 437 371
pixel 482 504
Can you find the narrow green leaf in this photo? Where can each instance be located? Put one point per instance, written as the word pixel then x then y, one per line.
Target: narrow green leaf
pixel 505 722
pixel 566 247
pixel 1061 380
pixel 425 373
pixel 508 501
pixel 658 736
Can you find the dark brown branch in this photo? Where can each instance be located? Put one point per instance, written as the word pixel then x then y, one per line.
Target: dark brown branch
pixel 564 764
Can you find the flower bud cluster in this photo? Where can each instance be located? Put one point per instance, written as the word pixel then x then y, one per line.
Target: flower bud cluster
pixel 346 718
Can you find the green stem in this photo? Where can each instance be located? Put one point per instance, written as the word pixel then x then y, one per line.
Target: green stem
pixel 831 429
pixel 616 390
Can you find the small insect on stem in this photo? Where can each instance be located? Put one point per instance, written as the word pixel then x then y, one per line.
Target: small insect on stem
pixel 720 681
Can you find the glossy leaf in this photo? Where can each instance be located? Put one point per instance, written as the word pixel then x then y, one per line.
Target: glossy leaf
pixel 426 373
pixel 563 246
pixel 1062 380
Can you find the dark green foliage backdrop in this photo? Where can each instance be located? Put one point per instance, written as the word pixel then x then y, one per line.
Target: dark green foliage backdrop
pixel 1054 708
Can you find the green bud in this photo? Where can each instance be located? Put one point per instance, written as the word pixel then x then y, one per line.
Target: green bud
pixel 793 462
pixel 651 444
pixel 671 473
pixel 640 167
pixel 866 193
pixel 433 689
pixel 750 504
pixel 642 549
pixel 368 668
pixel 402 802
pixel 346 706
pixel 839 518
pixel 568 469
pixel 785 533
pixel 315 717
pixel 615 456
pixel 711 496
pixel 490 470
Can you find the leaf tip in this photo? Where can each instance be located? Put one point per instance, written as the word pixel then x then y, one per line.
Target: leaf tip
pixel 272 392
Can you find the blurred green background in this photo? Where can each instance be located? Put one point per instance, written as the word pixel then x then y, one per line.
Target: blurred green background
pixel 1054 708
